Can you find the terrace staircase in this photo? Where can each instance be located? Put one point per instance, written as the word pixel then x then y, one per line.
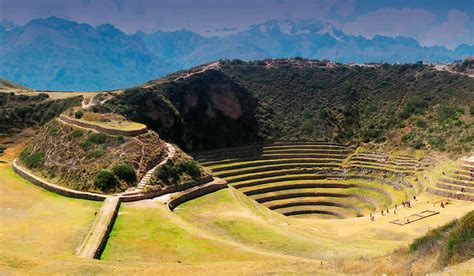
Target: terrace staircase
pixel 310 178
pixel 457 182
pixel 149 174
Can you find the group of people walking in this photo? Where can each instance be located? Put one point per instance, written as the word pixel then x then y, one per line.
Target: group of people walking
pixel 387 211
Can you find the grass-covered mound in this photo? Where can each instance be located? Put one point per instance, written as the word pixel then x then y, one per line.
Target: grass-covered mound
pixel 112 121
pixel 446 245
pixel 180 170
pixel 449 244
pixel 89 161
pixel 410 105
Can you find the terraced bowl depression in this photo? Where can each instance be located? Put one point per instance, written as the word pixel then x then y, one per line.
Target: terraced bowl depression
pixel 457 182
pixel 314 179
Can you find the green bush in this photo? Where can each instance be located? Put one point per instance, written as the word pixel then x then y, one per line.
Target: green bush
pixel 78 114
pixel 2 148
pixel 414 106
pixel 421 123
pixel 77 133
pixel 446 113
pixel 191 167
pixel 86 145
pixel 471 110
pixel 105 180
pixel 124 172
pixel 96 154
pixel 25 153
pixel 97 138
pixel 460 242
pixel 53 131
pixel 34 160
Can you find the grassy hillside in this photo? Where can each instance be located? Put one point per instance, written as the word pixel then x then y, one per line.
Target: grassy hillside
pixel 237 102
pixel 451 243
pixel 447 245
pixel 18 111
pixel 6 85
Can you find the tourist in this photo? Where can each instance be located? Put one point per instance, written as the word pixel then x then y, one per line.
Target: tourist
pixel 382 212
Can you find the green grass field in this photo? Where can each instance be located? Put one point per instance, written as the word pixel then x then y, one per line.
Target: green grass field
pixel 38 223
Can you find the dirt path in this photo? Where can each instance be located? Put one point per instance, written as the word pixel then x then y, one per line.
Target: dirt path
pixel 96 238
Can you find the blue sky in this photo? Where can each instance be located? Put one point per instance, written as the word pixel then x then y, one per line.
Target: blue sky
pixel 432 22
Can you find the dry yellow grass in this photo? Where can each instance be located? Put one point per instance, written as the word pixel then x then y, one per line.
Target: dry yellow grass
pixel 220 233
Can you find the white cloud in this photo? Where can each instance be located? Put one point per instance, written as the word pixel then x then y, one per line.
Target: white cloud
pixel 391 22
pixel 451 32
pixel 420 24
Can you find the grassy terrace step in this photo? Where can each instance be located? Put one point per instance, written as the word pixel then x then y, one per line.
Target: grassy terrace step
pixel 302 178
pixel 451 194
pixel 381 167
pixel 322 157
pixel 388 162
pixel 308 146
pixel 376 198
pixel 337 211
pixel 352 203
pixel 464 172
pixel 461 177
pixel 287 153
pixel 386 158
pixel 309 143
pixel 246 164
pixel 454 187
pixel 370 184
pixel 381 164
pixel 251 176
pixel 467 167
pixel 254 148
pixel 279 187
pixel 454 181
pixel 378 168
pixel 363 202
pixel 267 168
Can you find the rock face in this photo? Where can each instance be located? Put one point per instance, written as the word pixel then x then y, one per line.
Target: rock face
pixel 202 111
pixel 230 103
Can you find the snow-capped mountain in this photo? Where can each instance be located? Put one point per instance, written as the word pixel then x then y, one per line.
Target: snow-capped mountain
pixel 55 53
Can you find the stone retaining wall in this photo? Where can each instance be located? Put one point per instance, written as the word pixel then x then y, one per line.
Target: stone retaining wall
pixel 450 194
pixel 285 178
pixel 55 188
pixel 103 129
pixel 317 162
pixel 299 186
pixel 275 168
pixel 308 212
pixel 172 189
pixel 197 192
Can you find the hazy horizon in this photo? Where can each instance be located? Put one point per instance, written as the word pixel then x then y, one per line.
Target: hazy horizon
pixel 441 23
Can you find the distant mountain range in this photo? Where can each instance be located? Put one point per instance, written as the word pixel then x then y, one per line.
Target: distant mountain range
pixel 59 54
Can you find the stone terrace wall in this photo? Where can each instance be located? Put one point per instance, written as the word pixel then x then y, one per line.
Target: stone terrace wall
pixel 168 190
pixel 55 188
pixel 196 192
pixel 103 129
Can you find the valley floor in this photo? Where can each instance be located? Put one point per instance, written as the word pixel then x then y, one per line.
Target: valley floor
pixel 223 232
